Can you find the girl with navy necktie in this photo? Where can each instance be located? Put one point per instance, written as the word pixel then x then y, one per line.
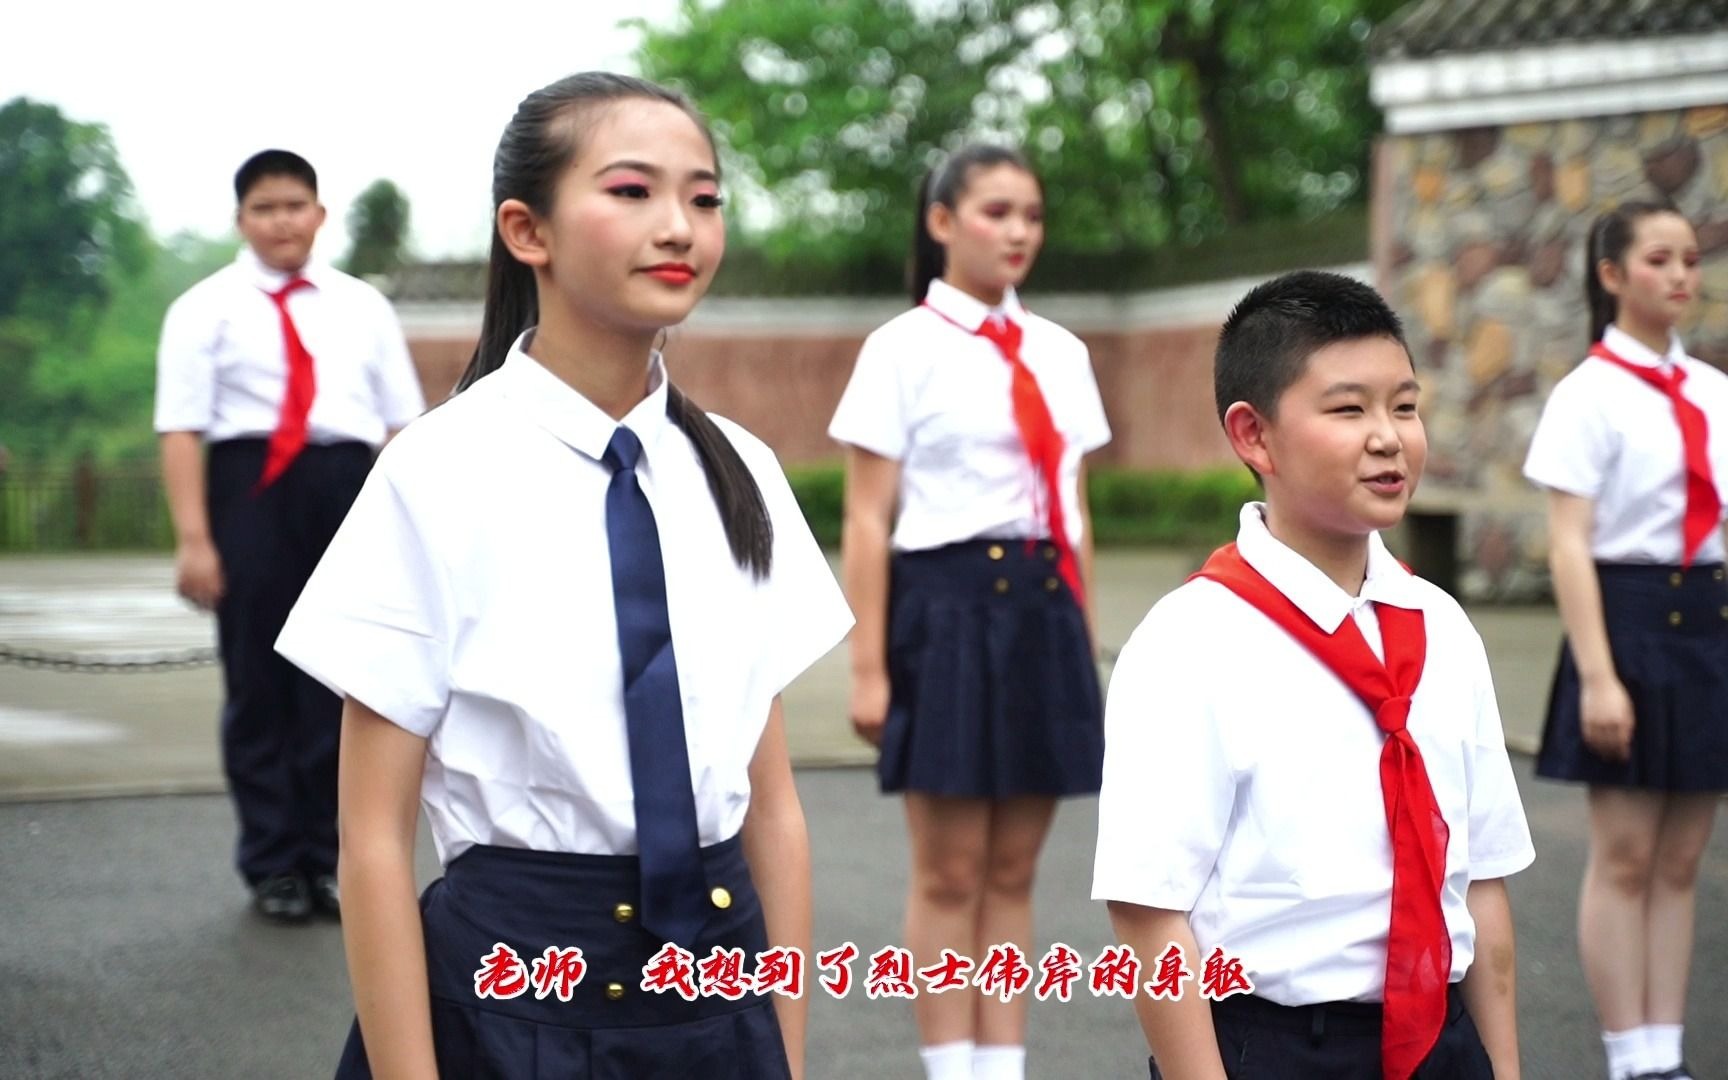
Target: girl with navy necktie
pixel 967 557
pixel 561 614
pixel 1631 448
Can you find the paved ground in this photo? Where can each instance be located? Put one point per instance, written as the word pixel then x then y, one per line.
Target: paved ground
pixel 74 736
pixel 126 949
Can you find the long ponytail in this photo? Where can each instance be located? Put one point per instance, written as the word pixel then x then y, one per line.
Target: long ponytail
pixel 1610 236
pixel 538 144
pixel 945 184
pixel 512 306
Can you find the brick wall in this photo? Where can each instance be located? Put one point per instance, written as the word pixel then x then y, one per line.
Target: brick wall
pixel 1156 384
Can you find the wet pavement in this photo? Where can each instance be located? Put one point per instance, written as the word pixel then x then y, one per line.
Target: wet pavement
pixel 127 950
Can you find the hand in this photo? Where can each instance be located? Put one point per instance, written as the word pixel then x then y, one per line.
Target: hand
pixel 869 707
pixel 1606 716
pixel 198 574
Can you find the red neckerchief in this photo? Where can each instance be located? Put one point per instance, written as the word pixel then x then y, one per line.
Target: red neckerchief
pixel 1418 945
pixel 1703 504
pixel 1044 444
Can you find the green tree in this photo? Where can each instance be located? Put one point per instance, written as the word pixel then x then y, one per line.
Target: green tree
pixel 68 238
pixel 378 229
pixel 1151 122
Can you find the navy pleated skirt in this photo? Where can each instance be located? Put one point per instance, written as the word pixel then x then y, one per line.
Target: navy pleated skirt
pixel 610 1029
pixel 1668 633
pixel 994 691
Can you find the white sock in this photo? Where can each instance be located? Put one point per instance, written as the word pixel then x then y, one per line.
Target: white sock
pixel 999 1063
pixel 947 1061
pixel 1662 1046
pixel 1625 1052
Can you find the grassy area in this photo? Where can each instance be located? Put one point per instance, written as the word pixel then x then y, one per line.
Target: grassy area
pixel 1129 507
pixel 122 509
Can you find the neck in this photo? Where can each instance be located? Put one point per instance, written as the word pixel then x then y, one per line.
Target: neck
pixel 1652 336
pixel 606 365
pixel 1343 559
pixel 983 294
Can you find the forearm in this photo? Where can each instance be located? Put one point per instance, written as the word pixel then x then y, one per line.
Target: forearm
pixel 1490 987
pixel 382 932
pixel 183 483
pixel 1179 1032
pixel 1578 594
pixel 777 848
pixel 864 573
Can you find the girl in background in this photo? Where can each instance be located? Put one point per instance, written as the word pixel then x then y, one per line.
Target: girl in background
pixel 967 557
pixel 1631 448
pixel 561 613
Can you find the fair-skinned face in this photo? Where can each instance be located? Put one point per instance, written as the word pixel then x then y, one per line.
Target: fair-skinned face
pixel 635 231
pixel 1343 454
pixel 279 218
pixel 1656 278
pixel 993 233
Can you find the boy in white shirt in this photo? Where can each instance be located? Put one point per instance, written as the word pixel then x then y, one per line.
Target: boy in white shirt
pixel 1304 765
pixel 278 377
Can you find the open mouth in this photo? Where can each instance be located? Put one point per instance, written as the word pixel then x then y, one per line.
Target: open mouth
pixel 1390 482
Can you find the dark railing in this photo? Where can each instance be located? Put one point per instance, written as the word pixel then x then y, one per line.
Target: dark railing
pixel 84 507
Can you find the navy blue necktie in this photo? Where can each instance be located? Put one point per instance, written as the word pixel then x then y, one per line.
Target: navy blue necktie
pixel 673 887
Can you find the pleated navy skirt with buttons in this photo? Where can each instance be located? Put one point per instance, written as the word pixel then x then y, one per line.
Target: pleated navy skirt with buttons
pixel 1668 633
pixel 994 691
pixel 611 1029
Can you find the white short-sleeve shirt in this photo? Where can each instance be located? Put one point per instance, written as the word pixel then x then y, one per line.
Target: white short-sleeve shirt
pixel 222 366
pixel 930 393
pixel 1242 777
pixel 1609 436
pixel 468 599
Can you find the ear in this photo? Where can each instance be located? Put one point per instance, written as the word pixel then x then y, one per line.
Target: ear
pixel 939 220
pixel 1247 431
pixel 519 228
pixel 1612 277
pixel 322 214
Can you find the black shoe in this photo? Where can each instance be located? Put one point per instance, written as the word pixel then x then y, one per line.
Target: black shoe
pixel 282 898
pixel 326 897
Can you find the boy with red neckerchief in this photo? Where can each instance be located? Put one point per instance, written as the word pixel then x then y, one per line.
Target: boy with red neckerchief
pixel 1304 761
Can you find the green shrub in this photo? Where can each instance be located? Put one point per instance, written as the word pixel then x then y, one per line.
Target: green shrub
pixel 1129 506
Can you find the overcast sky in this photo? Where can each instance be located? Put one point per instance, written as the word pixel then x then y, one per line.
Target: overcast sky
pixel 363 88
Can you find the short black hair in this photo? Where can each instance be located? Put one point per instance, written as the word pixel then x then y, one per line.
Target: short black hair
pixel 273 163
pixel 1266 342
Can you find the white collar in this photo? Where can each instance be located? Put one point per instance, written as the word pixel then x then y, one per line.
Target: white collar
pixel 268 278
pixel 1306 586
pixel 1633 351
pixel 577 422
pixel 969 312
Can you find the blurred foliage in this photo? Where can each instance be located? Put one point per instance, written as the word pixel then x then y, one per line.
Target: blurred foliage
pixel 68 227
pixel 378 230
pixel 1154 124
pixel 1129 506
pixel 92 392
pixel 70 242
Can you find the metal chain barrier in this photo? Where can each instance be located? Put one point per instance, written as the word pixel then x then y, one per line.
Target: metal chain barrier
pixel 107 663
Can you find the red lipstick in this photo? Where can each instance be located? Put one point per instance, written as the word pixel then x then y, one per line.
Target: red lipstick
pixel 672 273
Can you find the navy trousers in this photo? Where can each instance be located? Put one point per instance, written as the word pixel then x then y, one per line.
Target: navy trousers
pixel 611 1028
pixel 279 726
pixel 1261 1040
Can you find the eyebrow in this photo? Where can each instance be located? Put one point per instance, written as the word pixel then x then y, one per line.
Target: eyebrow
pixel 655 170
pixel 1362 388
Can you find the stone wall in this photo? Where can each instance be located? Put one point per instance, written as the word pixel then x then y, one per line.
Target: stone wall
pixel 1479 242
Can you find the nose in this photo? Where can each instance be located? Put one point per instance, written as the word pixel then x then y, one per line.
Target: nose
pixel 1383 437
pixel 676 231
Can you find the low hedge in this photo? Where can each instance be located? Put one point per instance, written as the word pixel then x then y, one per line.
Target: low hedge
pixel 1129 506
